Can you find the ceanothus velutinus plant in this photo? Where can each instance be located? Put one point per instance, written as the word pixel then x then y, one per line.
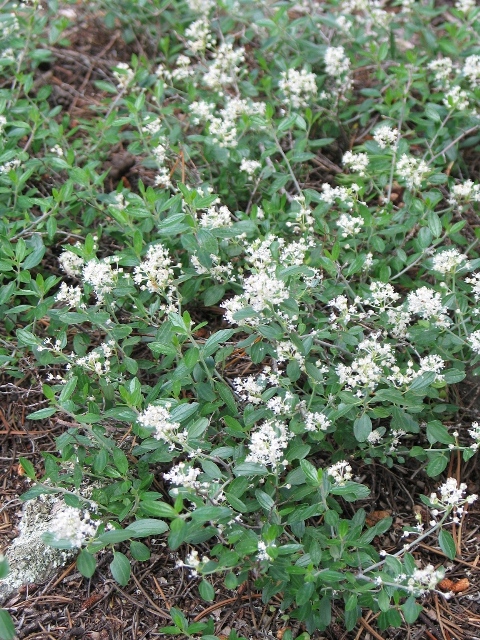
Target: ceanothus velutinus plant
pixel 350 301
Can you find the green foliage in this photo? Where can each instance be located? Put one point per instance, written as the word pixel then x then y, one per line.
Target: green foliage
pixel 344 283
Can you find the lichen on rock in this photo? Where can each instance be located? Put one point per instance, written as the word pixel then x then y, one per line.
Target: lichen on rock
pixel 30 559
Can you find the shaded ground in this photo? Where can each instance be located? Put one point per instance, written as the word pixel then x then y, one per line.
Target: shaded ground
pixel 70 606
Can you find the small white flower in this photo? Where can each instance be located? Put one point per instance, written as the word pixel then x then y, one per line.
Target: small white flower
pixel 73 526
pixel 412 170
pixel 250 166
pixel 448 260
pixel 340 472
pixel 299 87
pixel 336 62
pixel 356 162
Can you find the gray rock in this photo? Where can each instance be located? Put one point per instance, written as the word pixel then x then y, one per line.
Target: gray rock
pixel 30 559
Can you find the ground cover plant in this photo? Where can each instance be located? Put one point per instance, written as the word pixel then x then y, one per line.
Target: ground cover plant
pixel 245 272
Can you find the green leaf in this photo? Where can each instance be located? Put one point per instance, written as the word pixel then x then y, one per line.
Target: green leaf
pixel 68 389
pixel 436 432
pixel 250 469
pixel 120 568
pixel 147 527
pixel 28 467
pixel 178 533
pixel 41 414
pixel 4 568
pixel 206 590
pixel 213 295
pixel 452 376
pixel 7 630
pixel 411 610
pixel 434 224
pixel 264 500
pixel 423 381
pixel 183 411
pixel 436 465
pixel 311 473
pixel 120 460
pixel 86 564
pixel 114 536
pixel 139 551
pixel 362 428
pixel 157 509
pixel 231 581
pixel 447 544
pixel 179 619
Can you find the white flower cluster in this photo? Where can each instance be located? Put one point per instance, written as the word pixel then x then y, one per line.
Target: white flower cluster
pixel 466 191
pixel 184 476
pixel 465 6
pixel 411 170
pixel 101 276
pixel 336 62
pixel 218 272
pixel 346 195
pixel 471 70
pixel 399 319
pixel 374 436
pixel 263 289
pixel 451 498
pixel 193 562
pixel 216 217
pixel 433 363
pixel 3 122
pixel 97 361
pixel 427 304
pixel 72 296
pixel 155 271
pixel 250 166
pixel 262 553
pixel 123 74
pixel 315 421
pixel 474 432
pixel 224 69
pixel 474 340
pixel 183 69
pixel 304 220
pixel 73 526
pixel 158 418
pixel 442 68
pixel 423 580
pixel 340 472
pixel 9 166
pixel 286 350
pixel 199 36
pixel 152 126
pixel 449 260
pixel 456 98
pixel 299 87
pixel 356 162
pixel 281 406
pixel 349 225
pixel 250 389
pixel 475 282
pixel 347 311
pixel 381 295
pixel 367 369
pixel 268 443
pixel 222 124
pixel 201 6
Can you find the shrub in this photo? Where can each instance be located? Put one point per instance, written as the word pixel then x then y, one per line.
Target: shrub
pixel 287 295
